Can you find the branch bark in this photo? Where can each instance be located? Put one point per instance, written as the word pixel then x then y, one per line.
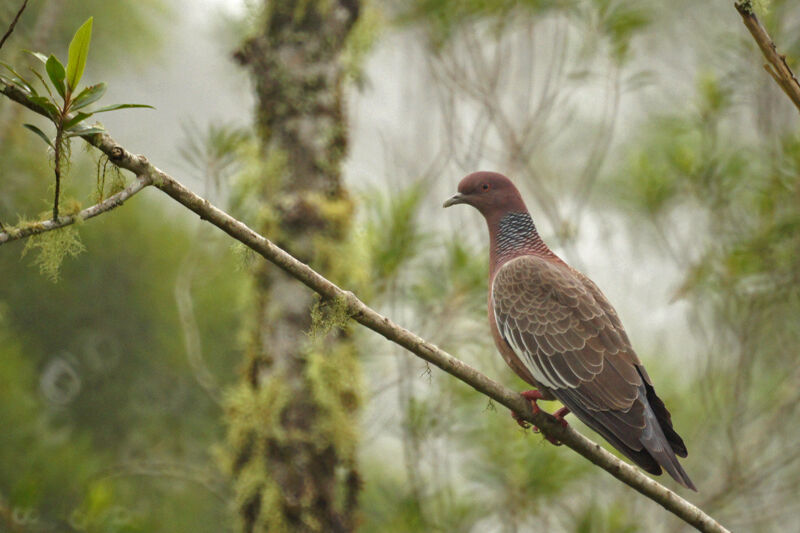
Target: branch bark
pixel 777 66
pixel 149 174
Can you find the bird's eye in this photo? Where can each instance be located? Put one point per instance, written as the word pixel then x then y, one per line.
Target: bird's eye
pixel 485 187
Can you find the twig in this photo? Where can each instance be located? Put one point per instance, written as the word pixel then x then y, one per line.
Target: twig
pixel 13 234
pixel 58 156
pixel 370 318
pixel 13 24
pixel 777 67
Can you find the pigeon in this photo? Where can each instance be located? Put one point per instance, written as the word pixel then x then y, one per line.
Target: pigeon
pixel 558 332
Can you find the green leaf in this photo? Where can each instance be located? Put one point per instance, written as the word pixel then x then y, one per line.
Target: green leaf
pixel 41 134
pixel 85 131
pixel 56 72
pixel 16 82
pixel 44 83
pixel 38 55
pixel 78 118
pixel 89 96
pixel 78 51
pixel 52 110
pixel 120 106
pixel 22 80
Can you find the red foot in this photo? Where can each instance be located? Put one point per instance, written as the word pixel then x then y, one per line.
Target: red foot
pixel 560 414
pixel 533 396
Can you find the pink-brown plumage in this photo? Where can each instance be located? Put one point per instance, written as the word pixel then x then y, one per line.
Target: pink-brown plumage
pixel 558 332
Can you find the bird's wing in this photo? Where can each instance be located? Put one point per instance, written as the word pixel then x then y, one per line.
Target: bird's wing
pixel 571 340
pixel 568 336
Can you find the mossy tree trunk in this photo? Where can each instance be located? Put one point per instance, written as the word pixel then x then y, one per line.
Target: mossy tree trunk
pixel 293 419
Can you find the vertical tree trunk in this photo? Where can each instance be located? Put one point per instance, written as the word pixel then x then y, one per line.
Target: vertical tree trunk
pixel 293 420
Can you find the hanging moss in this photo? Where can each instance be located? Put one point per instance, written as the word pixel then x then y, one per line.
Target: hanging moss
pixel 109 179
pixel 51 248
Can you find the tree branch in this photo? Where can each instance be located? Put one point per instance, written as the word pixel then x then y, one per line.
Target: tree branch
pixel 365 315
pixel 26 230
pixel 10 30
pixel 777 67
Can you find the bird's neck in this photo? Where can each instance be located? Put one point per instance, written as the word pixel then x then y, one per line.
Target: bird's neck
pixel 512 235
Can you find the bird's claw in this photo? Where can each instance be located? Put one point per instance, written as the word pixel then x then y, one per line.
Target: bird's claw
pixel 524 424
pixel 532 396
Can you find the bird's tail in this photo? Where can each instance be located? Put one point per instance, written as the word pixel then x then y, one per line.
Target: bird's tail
pixel 657 444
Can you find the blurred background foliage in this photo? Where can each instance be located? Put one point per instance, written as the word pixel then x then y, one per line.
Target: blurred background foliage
pixel 655 154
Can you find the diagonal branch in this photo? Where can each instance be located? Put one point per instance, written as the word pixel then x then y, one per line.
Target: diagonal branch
pixel 365 315
pixel 34 228
pixel 13 24
pixel 777 66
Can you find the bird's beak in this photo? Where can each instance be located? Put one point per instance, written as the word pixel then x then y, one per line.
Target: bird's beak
pixel 457 199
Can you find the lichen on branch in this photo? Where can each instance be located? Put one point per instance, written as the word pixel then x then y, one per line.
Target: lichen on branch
pixel 51 248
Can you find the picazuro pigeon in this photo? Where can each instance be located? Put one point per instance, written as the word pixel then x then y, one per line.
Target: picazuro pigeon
pixel 559 333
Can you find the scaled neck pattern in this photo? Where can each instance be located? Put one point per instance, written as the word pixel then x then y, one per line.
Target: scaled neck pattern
pixel 516 235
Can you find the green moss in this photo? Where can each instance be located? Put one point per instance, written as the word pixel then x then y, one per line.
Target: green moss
pixel 335 378
pixel 70 206
pixel 51 248
pixel 245 256
pixel 328 315
pixel 256 412
pixel 761 7
pixel 345 261
pixel 271 517
pixel 254 421
pixel 360 41
pixel 268 221
pixel 109 173
pixel 255 415
pixel 259 177
pixel 274 167
pixel 336 211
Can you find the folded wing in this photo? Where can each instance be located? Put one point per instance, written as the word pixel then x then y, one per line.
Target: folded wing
pixel 565 332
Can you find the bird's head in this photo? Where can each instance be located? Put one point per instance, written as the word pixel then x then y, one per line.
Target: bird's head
pixel 490 193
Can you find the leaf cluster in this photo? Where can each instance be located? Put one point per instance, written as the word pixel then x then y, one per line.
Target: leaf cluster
pixel 65 106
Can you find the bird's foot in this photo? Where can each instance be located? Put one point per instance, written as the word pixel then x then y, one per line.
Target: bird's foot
pixel 560 414
pixel 533 396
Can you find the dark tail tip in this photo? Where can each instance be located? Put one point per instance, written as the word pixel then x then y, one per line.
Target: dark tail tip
pixel 679 474
pixel 665 457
